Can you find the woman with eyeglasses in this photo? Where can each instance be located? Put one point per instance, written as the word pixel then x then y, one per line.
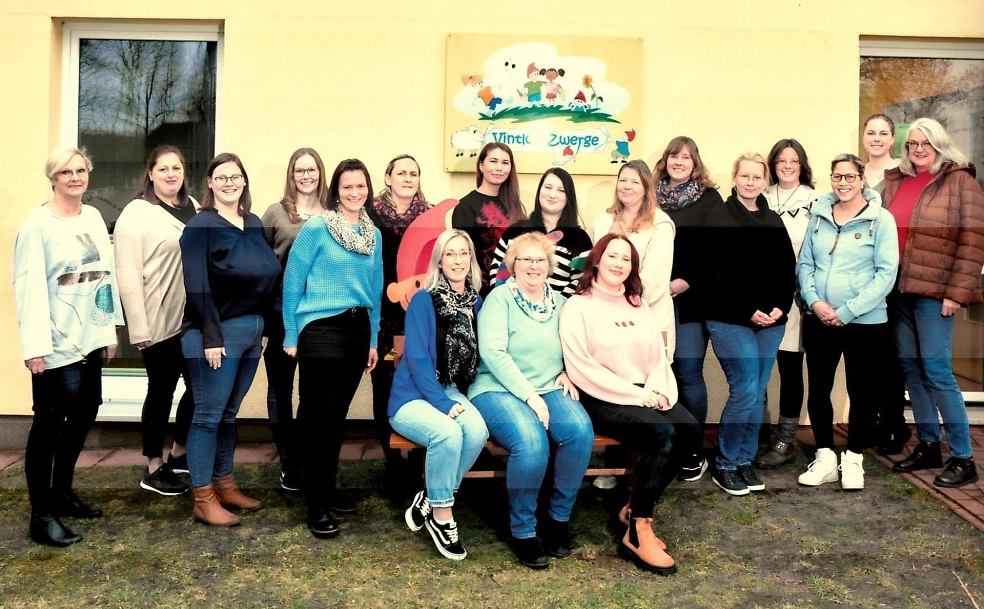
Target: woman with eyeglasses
pixel 939 209
pixel 230 276
pixel 847 267
pixel 332 288
pixel 790 195
pixel 148 261
pixel 305 196
pixel 528 403
pixel 751 271
pixel 398 204
pixel 68 307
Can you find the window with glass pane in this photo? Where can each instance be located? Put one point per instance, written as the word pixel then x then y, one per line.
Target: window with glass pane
pixel 945 84
pixel 135 95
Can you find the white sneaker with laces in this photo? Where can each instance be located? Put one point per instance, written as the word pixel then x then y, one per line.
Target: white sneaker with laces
pixel 852 472
pixel 822 470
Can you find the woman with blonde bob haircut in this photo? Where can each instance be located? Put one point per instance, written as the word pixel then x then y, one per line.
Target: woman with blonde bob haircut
pixel 427 403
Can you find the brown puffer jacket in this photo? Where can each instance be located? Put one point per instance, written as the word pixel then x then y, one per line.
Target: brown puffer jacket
pixel 944 250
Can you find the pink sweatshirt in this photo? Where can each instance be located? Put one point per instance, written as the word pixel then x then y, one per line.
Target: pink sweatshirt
pixel 609 346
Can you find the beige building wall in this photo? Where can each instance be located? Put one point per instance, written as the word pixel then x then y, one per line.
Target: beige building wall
pixel 366 80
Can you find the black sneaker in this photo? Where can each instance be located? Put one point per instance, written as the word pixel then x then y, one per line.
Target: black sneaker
pixel 178 465
pixel 445 536
pixel 292 478
pixel 730 482
pixel 417 513
pixel 747 474
pixel 693 471
pixel 164 482
pixel 529 553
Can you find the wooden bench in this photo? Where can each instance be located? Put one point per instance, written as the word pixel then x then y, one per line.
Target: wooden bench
pixel 600 442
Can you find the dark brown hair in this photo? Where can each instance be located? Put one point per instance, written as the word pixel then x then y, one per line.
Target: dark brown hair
pixel 509 191
pixel 336 178
pixel 245 201
pixel 289 202
pixel 676 145
pixel 147 192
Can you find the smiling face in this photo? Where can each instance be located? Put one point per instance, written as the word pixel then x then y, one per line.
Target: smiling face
pixel 846 191
pixel 495 167
pixel 72 180
pixel 878 138
pixel 167 176
pixel 531 268
pixel 922 155
pixel 553 197
pixel 456 262
pixel 630 189
pixel 306 175
pixel 749 180
pixel 352 193
pixel 615 265
pixel 227 183
pixel 788 168
pixel 680 167
pixel 404 180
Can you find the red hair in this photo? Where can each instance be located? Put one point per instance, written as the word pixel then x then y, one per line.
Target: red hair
pixel 632 283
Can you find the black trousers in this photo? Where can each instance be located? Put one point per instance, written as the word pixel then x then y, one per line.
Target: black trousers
pixel 165 364
pixel 791 383
pixel 662 440
pixel 280 369
pixel 331 354
pixel 66 402
pixel 867 350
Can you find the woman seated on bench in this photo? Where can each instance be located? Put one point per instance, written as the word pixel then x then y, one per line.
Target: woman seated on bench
pixel 615 354
pixel 426 404
pixel 528 402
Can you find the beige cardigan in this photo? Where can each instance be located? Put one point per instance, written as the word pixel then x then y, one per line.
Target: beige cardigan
pixel 148 267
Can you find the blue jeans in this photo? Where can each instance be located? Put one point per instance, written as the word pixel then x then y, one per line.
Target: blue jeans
pixel 925 339
pixel 218 394
pixel 688 367
pixel 746 356
pixel 452 444
pixel 514 426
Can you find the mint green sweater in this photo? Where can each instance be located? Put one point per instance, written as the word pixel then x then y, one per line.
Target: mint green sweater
pixel 518 354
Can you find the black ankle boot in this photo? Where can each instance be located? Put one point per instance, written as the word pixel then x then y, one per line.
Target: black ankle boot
pixel 557 538
pixel 69 504
pixel 529 553
pixel 957 473
pixel 926 455
pixel 48 530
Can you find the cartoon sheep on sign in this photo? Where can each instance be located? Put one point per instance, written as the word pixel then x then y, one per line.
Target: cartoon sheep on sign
pixel 469 138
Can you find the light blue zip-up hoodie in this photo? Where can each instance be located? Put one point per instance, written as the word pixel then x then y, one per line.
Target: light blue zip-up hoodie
pixel 853 267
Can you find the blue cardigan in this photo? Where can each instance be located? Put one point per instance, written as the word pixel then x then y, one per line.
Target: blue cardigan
pixel 416 376
pixel 852 267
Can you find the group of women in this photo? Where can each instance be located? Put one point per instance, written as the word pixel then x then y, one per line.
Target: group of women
pixel 526 330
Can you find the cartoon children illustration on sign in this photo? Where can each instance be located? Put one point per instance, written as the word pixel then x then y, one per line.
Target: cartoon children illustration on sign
pixel 534 86
pixel 621 152
pixel 552 88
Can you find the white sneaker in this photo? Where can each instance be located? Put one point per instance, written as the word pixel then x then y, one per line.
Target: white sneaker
pixel 852 473
pixel 822 470
pixel 605 482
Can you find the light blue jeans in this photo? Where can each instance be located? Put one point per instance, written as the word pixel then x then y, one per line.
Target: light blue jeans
pixel 746 356
pixel 452 444
pixel 514 426
pixel 925 341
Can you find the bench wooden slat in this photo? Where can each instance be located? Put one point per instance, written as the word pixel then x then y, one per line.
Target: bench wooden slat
pixel 399 442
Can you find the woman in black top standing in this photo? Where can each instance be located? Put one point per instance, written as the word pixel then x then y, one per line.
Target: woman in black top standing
pixel 487 211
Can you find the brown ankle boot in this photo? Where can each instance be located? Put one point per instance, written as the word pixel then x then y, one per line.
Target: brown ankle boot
pixel 208 510
pixel 230 496
pixel 639 546
pixel 625 514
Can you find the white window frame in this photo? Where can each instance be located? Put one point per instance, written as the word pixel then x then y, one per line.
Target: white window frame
pixel 930 49
pixel 124 390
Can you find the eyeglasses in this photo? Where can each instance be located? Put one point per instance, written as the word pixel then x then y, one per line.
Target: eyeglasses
pixel 913 145
pixel 300 173
pixel 223 180
pixel 749 178
pixel 457 255
pixel 68 173
pixel 532 261
pixel 837 178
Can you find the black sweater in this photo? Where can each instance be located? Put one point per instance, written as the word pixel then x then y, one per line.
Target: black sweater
pixel 748 263
pixel 688 246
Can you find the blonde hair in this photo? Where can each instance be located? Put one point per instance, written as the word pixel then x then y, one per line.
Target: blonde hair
pixel 434 272
pixel 647 211
pixel 61 156
pixel 752 157
pixel 532 238
pixel 939 139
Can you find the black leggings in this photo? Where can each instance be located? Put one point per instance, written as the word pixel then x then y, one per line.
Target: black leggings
pixel 165 364
pixel 66 402
pixel 661 437
pixel 280 369
pixel 790 383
